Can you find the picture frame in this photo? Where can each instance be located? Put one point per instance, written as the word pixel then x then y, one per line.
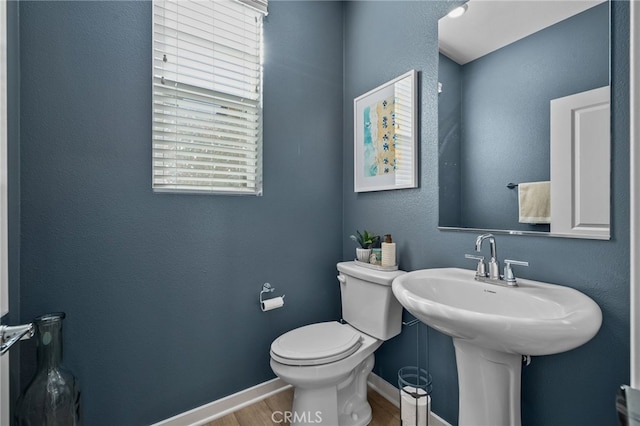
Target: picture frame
pixel 385 136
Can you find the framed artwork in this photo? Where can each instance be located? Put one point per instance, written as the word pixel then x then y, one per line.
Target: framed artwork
pixel 385 136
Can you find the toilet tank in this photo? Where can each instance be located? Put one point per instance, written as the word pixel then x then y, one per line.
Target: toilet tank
pixel 368 303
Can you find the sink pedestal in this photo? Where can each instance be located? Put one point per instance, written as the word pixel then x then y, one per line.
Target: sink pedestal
pixel 489 385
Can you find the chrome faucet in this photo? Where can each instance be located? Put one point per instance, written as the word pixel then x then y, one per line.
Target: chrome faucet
pixel 494 266
pixel 493 276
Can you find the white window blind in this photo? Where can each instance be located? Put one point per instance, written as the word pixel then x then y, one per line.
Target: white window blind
pixel 207 96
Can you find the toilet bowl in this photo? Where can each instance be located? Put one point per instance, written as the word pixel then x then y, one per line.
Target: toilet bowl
pixel 328 363
pixel 328 393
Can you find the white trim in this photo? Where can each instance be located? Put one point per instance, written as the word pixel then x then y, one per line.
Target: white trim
pixel 227 405
pixel 384 388
pixel 5 414
pixel 634 154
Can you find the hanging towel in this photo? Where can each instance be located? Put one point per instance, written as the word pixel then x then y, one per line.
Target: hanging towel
pixel 534 202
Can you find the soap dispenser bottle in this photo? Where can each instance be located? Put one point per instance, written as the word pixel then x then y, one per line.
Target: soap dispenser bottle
pixel 388 251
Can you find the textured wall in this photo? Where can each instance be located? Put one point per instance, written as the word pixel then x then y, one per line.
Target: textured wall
pixel 162 309
pixel 160 290
pixel 385 39
pixel 449 142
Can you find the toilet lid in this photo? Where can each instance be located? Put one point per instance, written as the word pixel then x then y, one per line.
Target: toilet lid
pixel 316 344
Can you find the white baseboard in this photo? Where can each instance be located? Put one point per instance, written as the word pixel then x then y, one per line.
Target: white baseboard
pixel 384 388
pixel 227 405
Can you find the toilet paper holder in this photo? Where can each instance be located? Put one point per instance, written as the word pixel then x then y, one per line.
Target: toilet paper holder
pixel 266 288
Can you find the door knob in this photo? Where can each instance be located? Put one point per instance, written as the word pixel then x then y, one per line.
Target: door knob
pixel 12 334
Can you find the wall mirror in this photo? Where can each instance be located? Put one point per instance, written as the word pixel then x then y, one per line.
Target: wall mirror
pixel 518 118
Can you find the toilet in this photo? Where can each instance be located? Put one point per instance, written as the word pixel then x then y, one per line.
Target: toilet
pixel 328 363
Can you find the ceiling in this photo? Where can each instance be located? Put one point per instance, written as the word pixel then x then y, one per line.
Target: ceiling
pixel 489 25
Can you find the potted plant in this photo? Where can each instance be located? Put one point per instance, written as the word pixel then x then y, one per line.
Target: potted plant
pixel 366 241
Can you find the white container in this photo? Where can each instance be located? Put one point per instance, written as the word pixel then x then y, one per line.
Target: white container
pixel 362 255
pixel 388 252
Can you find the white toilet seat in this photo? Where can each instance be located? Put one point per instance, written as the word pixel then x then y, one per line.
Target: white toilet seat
pixel 316 344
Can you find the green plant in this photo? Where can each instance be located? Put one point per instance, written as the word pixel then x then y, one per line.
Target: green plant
pixel 366 239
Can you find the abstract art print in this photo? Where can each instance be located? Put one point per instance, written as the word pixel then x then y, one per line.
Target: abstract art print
pixel 385 136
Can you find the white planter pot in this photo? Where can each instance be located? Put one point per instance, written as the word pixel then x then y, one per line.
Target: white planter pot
pixel 363 254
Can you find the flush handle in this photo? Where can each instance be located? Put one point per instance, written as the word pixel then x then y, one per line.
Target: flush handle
pixel 342 279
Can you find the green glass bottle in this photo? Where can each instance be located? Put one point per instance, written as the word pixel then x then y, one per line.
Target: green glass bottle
pixel 52 398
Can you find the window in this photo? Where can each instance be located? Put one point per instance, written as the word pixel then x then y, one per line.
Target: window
pixel 207 96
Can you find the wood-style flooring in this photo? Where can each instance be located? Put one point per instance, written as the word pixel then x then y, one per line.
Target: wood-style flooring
pixel 259 414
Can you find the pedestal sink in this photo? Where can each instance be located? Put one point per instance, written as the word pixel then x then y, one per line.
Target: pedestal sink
pixel 492 328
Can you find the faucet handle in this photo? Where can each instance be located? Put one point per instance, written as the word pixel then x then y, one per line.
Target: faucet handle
pixel 481 269
pixel 508 272
pixel 473 256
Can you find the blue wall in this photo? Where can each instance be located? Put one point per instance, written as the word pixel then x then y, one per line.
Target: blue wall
pixel 160 290
pixel 449 142
pixel 574 388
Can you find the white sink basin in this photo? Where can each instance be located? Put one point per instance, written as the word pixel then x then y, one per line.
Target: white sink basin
pixel 533 318
pixel 492 327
